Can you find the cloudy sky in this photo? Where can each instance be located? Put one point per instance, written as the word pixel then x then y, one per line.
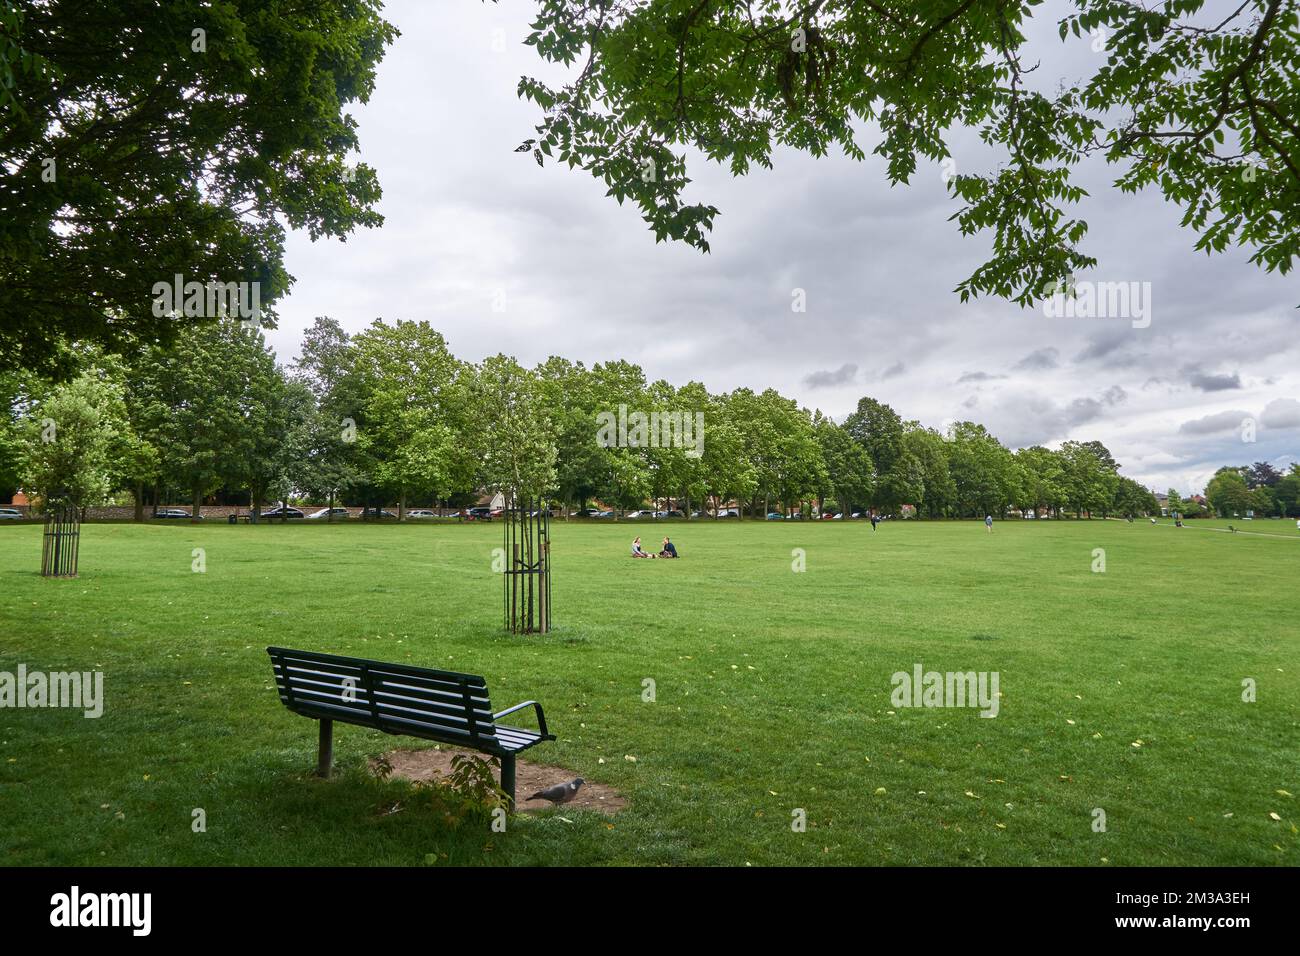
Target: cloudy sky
pixel 471 225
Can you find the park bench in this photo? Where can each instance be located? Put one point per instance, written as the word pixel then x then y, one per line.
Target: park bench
pixel 399 699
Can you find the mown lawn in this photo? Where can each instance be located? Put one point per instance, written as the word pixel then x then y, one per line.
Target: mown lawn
pixel 772 693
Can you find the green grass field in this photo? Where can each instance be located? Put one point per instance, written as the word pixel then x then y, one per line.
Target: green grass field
pixel 773 693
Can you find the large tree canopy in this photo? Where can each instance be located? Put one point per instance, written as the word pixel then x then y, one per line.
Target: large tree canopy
pixel 142 139
pixel 1196 99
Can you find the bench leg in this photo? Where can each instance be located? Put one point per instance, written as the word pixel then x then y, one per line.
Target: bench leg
pixel 508 779
pixel 325 758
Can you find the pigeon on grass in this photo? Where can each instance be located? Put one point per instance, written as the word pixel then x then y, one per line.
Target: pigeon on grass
pixel 560 793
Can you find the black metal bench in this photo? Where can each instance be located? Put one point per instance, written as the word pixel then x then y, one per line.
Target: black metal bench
pixel 399 699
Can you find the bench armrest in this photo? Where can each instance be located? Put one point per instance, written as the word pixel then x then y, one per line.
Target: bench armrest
pixel 541 718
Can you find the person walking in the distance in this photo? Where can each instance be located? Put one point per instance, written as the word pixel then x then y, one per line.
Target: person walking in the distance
pixel 874 521
pixel 988 523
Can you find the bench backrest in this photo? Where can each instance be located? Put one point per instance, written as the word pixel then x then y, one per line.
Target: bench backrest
pixel 395 698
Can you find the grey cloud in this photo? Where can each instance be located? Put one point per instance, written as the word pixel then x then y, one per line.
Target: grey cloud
pixel 979 377
pixel 1109 348
pixel 895 370
pixel 1216 424
pixel 844 375
pixel 1281 413
pixel 1039 360
pixel 1210 382
pixel 1084 410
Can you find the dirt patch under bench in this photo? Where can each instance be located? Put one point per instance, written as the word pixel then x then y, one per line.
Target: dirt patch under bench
pixel 530 777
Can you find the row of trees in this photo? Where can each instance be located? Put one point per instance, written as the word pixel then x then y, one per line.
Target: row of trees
pixel 390 416
pixel 1261 488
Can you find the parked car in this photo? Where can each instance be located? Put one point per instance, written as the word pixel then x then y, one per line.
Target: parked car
pixel 774 516
pixel 373 513
pixel 669 514
pixel 728 513
pixel 605 514
pixel 10 514
pixel 698 514
pixel 641 514
pixel 421 513
pixel 831 515
pixel 289 514
pixel 175 513
pixel 327 512
pixel 479 514
pixel 587 513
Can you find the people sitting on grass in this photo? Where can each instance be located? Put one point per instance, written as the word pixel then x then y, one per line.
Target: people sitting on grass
pixel 669 549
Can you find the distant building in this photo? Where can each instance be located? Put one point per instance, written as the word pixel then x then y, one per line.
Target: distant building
pixel 491 501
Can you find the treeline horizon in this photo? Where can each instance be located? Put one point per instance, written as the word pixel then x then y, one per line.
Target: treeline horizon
pixel 388 416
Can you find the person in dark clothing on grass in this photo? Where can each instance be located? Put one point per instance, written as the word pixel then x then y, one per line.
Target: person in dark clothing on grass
pixel 669 550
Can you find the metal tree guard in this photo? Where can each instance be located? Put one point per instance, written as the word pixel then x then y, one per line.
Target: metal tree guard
pixel 528 567
pixel 62 541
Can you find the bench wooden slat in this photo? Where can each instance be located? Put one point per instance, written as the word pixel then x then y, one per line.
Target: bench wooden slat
pixel 436 680
pixel 483 713
pixel 480 698
pixel 323 708
pixel 452 735
pixel 432 718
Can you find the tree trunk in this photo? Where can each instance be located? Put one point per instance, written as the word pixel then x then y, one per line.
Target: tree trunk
pixel 139 501
pixel 329 515
pixel 401 505
pixel 198 500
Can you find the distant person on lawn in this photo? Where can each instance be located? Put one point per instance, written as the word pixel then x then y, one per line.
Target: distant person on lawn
pixel 874 521
pixel 636 548
pixel 988 523
pixel 669 550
